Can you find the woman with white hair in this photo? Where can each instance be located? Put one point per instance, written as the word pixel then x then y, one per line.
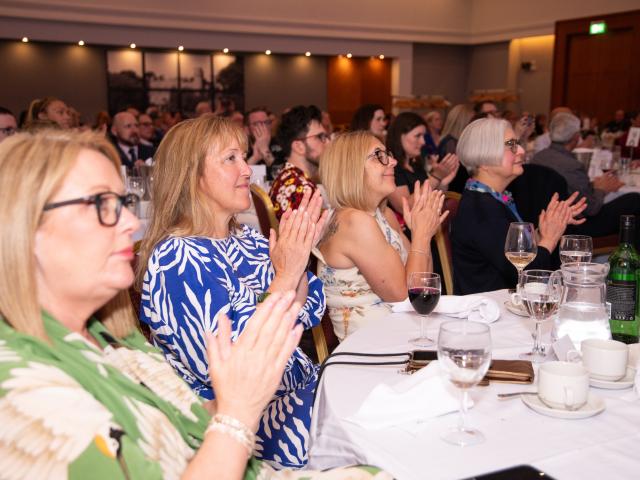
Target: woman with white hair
pixel 490 151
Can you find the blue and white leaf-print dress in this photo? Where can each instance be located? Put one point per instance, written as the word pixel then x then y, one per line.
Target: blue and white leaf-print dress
pixel 188 282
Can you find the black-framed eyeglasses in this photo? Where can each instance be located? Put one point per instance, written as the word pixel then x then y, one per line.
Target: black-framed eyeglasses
pixel 322 136
pixel 8 131
pixel 108 205
pixel 382 156
pixel 513 144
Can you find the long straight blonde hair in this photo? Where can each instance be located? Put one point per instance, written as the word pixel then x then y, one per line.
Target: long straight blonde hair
pixel 180 207
pixel 32 169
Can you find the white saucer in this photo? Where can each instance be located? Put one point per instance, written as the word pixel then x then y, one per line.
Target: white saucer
pixel 625 382
pixel 516 309
pixel 594 406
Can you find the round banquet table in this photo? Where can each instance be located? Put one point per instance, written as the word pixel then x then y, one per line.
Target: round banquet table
pixel 603 446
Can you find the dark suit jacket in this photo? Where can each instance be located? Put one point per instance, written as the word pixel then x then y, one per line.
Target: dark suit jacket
pixel 144 152
pixel 478 233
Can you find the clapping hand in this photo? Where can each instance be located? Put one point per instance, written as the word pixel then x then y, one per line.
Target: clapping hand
pixel 446 169
pixel 425 214
pixel 553 220
pixel 245 374
pixel 299 231
pixel 262 136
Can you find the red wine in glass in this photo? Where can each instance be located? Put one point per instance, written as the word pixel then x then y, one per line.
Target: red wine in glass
pixel 424 299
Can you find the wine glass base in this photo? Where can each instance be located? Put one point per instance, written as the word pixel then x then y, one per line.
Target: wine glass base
pixel 422 342
pixel 463 437
pixel 534 357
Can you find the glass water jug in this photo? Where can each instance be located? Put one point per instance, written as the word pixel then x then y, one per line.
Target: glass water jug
pixel 583 310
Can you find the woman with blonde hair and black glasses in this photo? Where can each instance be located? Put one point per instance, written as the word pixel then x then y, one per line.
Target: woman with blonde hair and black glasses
pixel 197 263
pixel 365 259
pixel 82 394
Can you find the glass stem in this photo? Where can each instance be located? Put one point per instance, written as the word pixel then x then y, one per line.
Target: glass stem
pixel 537 344
pixel 462 420
pixel 519 279
pixel 423 326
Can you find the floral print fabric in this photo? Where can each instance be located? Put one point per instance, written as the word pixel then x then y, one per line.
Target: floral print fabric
pixel 288 188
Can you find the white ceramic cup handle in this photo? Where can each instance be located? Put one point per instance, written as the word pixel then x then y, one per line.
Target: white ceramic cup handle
pixel 568 398
pixel 573 356
pixel 516 298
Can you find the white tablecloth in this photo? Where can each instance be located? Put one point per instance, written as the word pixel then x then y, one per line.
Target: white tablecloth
pixel 604 446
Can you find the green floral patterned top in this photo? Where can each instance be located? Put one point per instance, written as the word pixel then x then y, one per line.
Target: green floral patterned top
pixel 71 410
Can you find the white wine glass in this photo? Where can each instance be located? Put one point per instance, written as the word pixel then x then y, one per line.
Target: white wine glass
pixel 540 291
pixel 576 248
pixel 424 294
pixel 464 352
pixel 520 246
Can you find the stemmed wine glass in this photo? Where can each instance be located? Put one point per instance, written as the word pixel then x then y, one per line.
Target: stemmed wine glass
pixel 424 293
pixel 540 291
pixel 464 352
pixel 520 246
pixel 136 185
pixel 576 248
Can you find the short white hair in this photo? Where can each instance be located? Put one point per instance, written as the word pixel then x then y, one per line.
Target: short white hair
pixel 563 127
pixel 482 143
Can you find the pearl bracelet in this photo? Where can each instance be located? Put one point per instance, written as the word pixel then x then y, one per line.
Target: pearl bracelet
pixel 235 429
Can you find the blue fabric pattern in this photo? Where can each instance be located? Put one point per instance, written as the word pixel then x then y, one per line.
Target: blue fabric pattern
pixel 505 197
pixel 188 282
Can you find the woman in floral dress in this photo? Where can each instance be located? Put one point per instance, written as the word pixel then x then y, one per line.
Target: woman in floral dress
pixel 82 395
pixel 197 264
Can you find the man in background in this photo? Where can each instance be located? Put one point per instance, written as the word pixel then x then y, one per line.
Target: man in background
pixel 126 137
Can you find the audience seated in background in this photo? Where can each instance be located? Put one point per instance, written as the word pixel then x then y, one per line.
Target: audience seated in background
pixel 262 147
pixel 8 124
pixel 196 264
pixel 404 142
pixel 622 141
pixel 433 120
pixel 126 137
pixel 487 106
pixel 102 122
pixel 303 139
pixel 370 117
pixel 202 108
pixel 619 124
pixel 364 258
pixel 602 218
pixel 49 108
pixel 490 151
pixel 543 140
pixel 147 132
pixel 83 394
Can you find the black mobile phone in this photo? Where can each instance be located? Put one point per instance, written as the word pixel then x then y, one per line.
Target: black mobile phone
pixel 424 355
pixel 519 472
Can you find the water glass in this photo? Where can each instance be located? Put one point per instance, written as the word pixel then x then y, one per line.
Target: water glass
pixel 576 248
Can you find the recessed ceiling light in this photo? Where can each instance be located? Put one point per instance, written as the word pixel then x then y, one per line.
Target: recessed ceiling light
pixel 81 43
pixel 307 54
pixel 349 55
pixel 381 57
pixel 267 52
pixel 25 39
pixel 180 48
pixel 133 45
pixel 225 50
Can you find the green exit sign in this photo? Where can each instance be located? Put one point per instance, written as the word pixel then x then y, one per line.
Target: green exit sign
pixel 597 28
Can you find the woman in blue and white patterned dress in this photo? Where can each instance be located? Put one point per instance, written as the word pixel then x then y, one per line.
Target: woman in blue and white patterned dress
pixel 197 263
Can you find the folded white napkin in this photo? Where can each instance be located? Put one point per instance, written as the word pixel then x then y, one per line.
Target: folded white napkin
pixel 423 395
pixel 476 308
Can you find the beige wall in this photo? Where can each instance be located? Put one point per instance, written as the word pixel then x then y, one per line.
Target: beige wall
pixel 441 70
pixel 285 80
pixel 488 67
pixel 534 87
pixel 75 74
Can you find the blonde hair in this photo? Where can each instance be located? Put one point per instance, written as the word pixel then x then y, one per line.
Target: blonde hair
pixel 33 167
pixel 179 206
pixel 342 169
pixel 38 106
pixel 482 143
pixel 457 119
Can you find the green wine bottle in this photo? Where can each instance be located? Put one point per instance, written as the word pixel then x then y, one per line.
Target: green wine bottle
pixel 622 284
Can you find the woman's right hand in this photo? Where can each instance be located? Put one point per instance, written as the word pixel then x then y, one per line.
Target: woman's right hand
pixel 553 221
pixel 298 233
pixel 246 374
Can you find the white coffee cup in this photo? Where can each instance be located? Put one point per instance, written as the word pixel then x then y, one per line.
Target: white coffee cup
pixel 563 385
pixel 604 359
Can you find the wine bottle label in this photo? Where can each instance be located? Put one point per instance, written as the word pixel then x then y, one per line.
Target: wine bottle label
pixel 622 296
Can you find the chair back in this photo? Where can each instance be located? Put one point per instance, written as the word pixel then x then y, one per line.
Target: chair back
pixel 533 190
pixel 324 338
pixel 443 240
pixel 264 210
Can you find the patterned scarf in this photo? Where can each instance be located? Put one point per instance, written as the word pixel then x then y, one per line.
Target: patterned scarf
pixel 505 197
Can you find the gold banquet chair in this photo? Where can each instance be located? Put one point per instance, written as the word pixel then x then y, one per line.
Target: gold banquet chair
pixel 264 209
pixel 443 239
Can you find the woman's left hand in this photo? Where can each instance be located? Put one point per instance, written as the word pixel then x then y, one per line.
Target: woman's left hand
pixel 446 169
pixel 553 221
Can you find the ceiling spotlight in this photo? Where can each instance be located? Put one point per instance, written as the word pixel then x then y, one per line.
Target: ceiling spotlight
pixel 267 52
pixel 349 55
pixel 225 50
pixel 180 48
pixel 133 45
pixel 81 43
pixel 307 54
pixel 381 57
pixel 25 39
